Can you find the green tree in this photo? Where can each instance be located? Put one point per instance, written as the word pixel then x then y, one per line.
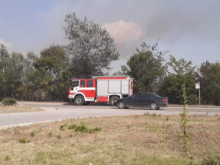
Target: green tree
pixel 147 68
pixel 209 77
pixel 11 72
pixel 91 49
pixel 50 74
pixel 182 72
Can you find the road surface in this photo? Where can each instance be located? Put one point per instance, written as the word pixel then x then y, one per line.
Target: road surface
pixel 60 111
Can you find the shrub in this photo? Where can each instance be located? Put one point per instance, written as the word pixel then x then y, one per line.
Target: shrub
pixel 62 127
pixel 8 101
pixel 81 128
pixel 6 158
pixel 50 134
pixel 32 134
pixel 73 126
pixel 23 140
pixel 95 130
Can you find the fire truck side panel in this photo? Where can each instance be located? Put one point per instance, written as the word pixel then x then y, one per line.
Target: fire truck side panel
pixel 125 87
pixel 114 87
pixel 102 88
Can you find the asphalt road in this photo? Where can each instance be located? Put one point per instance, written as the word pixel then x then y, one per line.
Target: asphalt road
pixel 60 111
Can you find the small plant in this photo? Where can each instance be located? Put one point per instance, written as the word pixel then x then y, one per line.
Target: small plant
pixel 94 130
pixel 81 128
pixel 32 134
pixel 184 134
pixel 154 115
pixel 62 127
pixel 146 114
pixel 58 136
pixel 7 158
pixel 128 126
pixel 23 140
pixel 167 118
pixel 8 101
pixel 50 134
pixel 73 126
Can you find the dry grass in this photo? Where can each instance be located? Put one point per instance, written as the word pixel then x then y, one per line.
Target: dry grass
pixel 17 108
pixel 146 139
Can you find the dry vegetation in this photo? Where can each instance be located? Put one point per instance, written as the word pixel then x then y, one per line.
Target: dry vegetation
pixel 17 108
pixel 146 139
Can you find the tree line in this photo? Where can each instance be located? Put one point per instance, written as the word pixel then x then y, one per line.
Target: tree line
pixel 152 73
pixel 89 52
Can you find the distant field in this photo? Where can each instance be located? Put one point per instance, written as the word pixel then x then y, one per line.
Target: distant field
pixel 17 108
pixel 130 140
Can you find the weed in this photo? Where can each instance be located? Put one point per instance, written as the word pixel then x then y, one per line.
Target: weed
pixel 184 134
pixel 167 118
pixel 94 130
pixel 8 101
pixel 23 140
pixel 81 128
pixel 154 115
pixel 62 127
pixel 58 136
pixel 73 126
pixel 7 158
pixel 146 114
pixel 32 134
pixel 50 134
pixel 128 126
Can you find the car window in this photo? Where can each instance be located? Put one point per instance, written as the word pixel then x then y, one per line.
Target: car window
pixel 155 96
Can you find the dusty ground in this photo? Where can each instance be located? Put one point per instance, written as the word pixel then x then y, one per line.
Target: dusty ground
pixel 145 139
pixel 18 108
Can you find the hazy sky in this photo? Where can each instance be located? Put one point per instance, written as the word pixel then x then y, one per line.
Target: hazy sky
pixel 188 29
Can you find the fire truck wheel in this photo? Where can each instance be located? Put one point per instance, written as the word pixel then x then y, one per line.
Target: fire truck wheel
pixel 113 99
pixel 79 100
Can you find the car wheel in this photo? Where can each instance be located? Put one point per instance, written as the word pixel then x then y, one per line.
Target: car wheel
pixel 113 99
pixel 121 105
pixel 79 100
pixel 154 106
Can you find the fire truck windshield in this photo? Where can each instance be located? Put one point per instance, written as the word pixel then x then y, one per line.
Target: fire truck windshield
pixel 74 84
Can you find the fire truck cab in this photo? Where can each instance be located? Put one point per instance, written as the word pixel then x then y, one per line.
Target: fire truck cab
pixel 100 89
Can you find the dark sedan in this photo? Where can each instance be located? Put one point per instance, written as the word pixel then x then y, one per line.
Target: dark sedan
pixel 143 100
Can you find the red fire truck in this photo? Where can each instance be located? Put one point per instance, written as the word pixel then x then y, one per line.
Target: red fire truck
pixel 100 89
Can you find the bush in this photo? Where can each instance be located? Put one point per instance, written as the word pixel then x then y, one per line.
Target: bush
pixel 81 128
pixel 8 101
pixel 23 140
pixel 32 134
